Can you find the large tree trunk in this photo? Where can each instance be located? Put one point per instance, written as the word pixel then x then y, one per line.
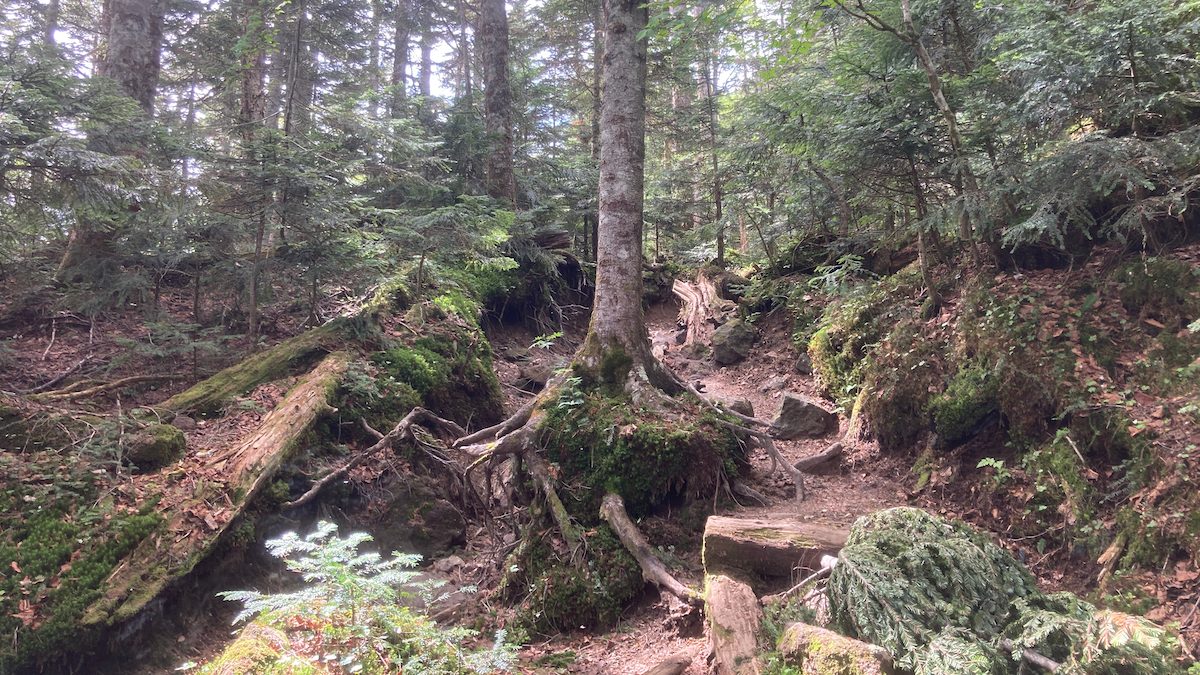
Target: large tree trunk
pixel 133 36
pixel 400 58
pixel 618 324
pixel 497 100
pixel 132 40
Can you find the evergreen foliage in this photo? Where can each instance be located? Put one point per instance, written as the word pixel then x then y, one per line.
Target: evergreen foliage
pixel 942 598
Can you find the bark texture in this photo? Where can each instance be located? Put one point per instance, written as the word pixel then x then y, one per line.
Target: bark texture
pixel 617 318
pixel 764 548
pixel 497 100
pixel 734 620
pixel 132 42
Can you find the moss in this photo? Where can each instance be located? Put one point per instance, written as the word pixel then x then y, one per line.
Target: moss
pixel 897 381
pixel 50 540
pixel 257 650
pixel 563 597
pixel 614 367
pixel 155 446
pixel 968 400
pixel 604 443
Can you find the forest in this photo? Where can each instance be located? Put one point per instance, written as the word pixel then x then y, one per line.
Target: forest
pixel 591 336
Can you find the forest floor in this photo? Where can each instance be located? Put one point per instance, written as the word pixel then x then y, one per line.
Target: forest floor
pixel 860 483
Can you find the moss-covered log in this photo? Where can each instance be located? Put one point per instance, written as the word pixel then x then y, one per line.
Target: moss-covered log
pixel 245 468
pixel 302 350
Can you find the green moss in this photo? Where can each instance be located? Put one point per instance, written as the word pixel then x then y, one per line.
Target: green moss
pixel 155 446
pixel 969 398
pixel 896 388
pixel 563 597
pixel 257 651
pixel 50 541
pixel 604 444
pixel 614 367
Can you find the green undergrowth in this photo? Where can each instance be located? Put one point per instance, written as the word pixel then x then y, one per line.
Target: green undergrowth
pixel 58 547
pixel 1064 366
pixel 446 368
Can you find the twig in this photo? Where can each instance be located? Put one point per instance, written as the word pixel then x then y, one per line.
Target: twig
pixel 53 337
pixel 1033 657
pixel 54 381
pixel 68 395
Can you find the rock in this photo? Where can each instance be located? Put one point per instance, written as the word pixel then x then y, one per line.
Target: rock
pixel 183 423
pixel 801 418
pixel 255 650
pixel 447 565
pixel 515 353
pixel 680 336
pixel 803 365
pixel 534 376
pixel 774 384
pixel 732 286
pixel 155 446
pixel 741 406
pixel 419 521
pixel 817 651
pixel 732 341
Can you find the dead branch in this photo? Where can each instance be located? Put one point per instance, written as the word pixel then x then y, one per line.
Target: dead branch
pixel 58 378
pixel 541 472
pixel 612 509
pixel 827 564
pixel 403 429
pixel 68 395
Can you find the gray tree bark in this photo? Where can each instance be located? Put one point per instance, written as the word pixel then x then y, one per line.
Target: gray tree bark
pixel 400 58
pixel 497 100
pixel 617 320
pixel 132 46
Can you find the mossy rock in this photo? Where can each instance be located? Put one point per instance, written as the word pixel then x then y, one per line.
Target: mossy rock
pixel 256 650
pixel 968 401
pixel 817 651
pixel 155 446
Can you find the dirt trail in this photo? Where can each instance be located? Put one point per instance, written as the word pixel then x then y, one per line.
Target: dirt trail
pixel 860 482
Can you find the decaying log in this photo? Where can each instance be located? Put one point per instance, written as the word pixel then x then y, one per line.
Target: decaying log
pixel 817 651
pixel 702 308
pixel 734 620
pixel 674 664
pixel 767 549
pixel 246 468
pixel 612 509
pixel 210 394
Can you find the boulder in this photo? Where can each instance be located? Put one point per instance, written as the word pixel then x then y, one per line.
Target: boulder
pixel 419 521
pixel 802 418
pixel 183 422
pixel 155 446
pixel 732 341
pixel 776 383
pixel 817 651
pixel 803 365
pixel 741 406
pixel 533 377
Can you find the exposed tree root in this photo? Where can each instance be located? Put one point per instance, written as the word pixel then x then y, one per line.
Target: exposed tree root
pixel 405 429
pixel 612 509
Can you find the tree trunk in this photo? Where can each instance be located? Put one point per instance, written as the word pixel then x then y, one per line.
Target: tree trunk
pixel 767 549
pixel 131 50
pixel 617 323
pixel 497 100
pixel 400 58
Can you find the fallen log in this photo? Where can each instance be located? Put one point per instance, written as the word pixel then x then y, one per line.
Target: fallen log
pixel 71 394
pixel 297 352
pixel 817 651
pixel 766 549
pixel 734 621
pixel 245 469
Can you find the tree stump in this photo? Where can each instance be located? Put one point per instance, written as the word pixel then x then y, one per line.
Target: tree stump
pixel 734 619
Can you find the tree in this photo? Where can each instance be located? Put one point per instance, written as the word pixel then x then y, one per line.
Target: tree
pixel 497 100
